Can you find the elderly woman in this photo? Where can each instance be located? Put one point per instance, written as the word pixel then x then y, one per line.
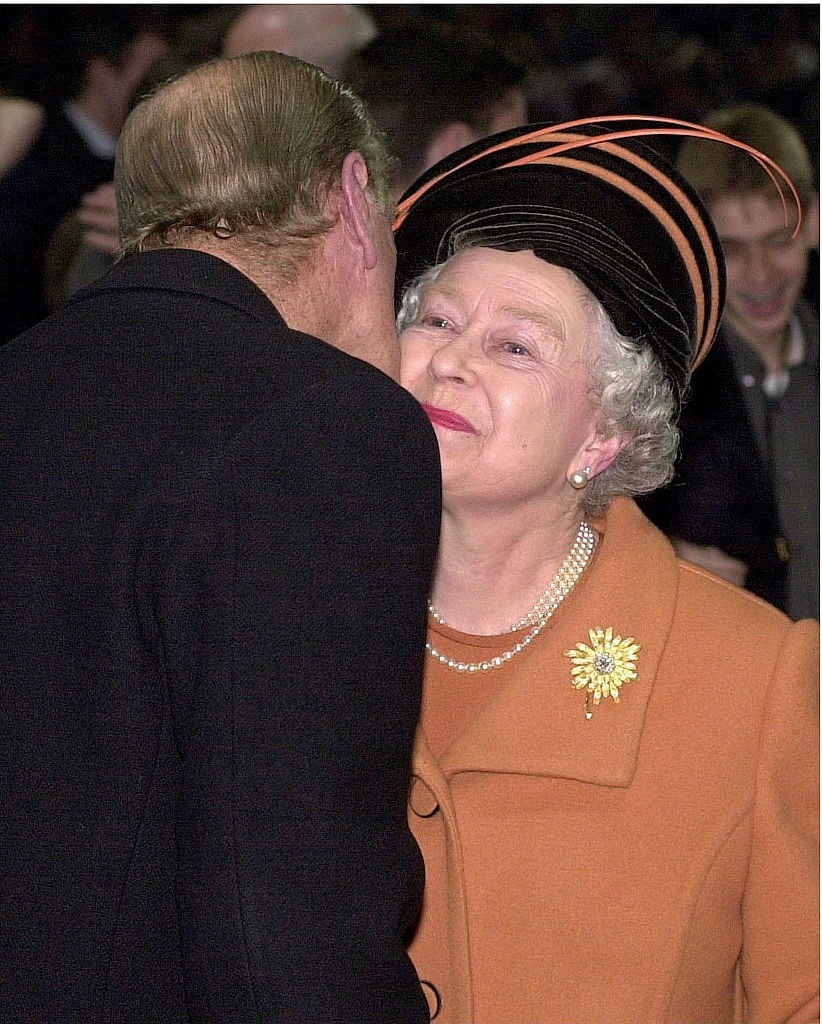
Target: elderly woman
pixel 616 769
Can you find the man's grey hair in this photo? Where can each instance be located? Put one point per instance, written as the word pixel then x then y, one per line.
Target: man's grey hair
pixel 250 144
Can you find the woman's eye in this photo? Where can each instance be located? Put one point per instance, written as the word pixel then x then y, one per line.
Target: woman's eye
pixel 432 320
pixel 516 348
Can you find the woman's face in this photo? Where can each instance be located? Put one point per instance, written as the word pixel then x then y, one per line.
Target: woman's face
pixel 498 357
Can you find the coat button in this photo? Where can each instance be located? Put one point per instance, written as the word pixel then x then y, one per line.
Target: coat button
pixel 421 800
pixel 433 997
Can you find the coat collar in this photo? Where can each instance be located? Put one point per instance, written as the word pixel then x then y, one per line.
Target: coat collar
pixel 192 272
pixel 536 725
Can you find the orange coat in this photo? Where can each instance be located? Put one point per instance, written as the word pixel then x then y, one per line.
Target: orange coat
pixel 658 863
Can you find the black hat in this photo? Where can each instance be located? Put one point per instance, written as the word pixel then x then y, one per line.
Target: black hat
pixel 595 201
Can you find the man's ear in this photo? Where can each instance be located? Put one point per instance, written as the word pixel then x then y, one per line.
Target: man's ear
pixel 357 209
pixel 810 221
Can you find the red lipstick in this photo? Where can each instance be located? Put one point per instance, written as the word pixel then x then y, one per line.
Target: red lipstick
pixel 451 420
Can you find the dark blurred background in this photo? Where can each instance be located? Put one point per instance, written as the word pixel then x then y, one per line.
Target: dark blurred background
pixel 672 60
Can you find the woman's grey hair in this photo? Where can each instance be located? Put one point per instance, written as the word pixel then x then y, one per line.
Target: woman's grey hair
pixel 634 397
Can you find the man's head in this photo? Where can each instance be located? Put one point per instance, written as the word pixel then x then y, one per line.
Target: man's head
pixel 268 163
pixel 432 90
pixel 249 146
pixel 108 51
pixel 766 266
pixel 322 34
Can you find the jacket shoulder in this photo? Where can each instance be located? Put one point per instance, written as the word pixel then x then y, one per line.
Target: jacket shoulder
pixel 723 607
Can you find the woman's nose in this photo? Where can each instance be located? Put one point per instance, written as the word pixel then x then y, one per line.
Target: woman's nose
pixel 453 360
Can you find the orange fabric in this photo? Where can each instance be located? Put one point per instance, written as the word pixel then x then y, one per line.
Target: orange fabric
pixel 658 863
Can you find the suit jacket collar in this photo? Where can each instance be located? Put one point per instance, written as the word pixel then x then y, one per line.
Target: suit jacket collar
pixel 536 725
pixel 747 360
pixel 189 271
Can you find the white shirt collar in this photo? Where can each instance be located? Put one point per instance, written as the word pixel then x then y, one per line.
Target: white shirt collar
pixel 776 384
pixel 98 140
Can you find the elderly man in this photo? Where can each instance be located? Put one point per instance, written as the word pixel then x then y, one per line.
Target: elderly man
pixel 220 523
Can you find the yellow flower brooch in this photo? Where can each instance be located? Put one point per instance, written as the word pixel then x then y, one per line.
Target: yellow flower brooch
pixel 604 667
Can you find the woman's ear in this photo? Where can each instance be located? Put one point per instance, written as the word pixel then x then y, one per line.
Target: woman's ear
pixel 599 453
pixel 357 208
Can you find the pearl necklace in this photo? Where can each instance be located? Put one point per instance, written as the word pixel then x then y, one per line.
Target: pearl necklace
pixel 561 585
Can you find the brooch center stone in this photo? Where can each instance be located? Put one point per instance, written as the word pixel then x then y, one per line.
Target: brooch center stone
pixel 603 666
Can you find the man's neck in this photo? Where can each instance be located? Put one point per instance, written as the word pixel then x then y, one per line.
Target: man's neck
pixel 771 348
pixel 314 301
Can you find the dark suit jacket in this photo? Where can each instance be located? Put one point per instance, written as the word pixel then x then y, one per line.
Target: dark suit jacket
pixel 725 493
pixel 721 495
pixel 217 541
pixel 35 194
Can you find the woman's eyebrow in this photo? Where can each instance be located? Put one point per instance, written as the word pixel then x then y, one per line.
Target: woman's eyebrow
pixel 439 291
pixel 553 322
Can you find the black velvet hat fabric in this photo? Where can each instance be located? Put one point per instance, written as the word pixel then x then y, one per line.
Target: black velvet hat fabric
pixel 609 209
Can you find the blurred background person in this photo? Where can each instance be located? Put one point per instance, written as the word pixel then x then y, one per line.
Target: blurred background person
pixel 21 121
pixel 745 499
pixel 434 88
pixel 87 239
pixel 322 34
pixel 108 50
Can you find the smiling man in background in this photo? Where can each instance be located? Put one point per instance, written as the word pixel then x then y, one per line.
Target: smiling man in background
pixel 745 502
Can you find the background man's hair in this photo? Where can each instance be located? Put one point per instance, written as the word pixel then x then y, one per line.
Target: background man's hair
pixel 98 30
pixel 424 75
pixel 714 169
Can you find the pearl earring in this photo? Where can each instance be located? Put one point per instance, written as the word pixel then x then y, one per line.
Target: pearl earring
pixel 579 480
